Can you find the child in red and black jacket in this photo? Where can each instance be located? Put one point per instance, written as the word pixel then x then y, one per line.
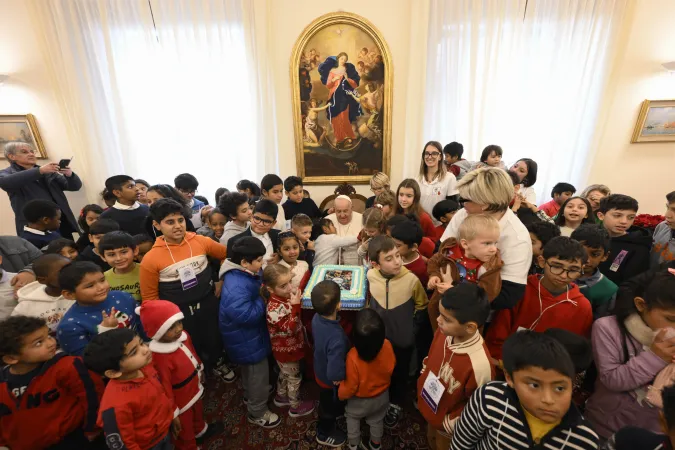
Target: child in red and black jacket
pixel 136 413
pixel 39 387
pixel 180 369
pixel 287 336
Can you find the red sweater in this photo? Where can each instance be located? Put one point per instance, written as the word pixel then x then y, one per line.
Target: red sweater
pixel 550 208
pixel 428 227
pixel 136 414
pixel 570 311
pixel 461 368
pixel 62 397
pixel 179 369
pixel 427 248
pixel 286 331
pixel 419 268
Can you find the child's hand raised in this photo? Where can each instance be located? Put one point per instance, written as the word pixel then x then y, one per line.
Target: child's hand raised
pixel 296 297
pixel 109 321
pixel 433 281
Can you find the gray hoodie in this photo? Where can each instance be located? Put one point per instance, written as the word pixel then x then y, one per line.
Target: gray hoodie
pixel 231 230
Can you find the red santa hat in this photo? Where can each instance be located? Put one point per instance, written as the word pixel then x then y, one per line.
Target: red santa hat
pixel 157 316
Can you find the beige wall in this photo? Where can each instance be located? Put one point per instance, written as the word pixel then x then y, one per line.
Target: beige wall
pixel 28 90
pixel 645 171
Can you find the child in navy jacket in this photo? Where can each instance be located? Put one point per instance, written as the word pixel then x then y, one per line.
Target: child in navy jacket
pixel 330 353
pixel 97 309
pixel 243 326
pixel 39 387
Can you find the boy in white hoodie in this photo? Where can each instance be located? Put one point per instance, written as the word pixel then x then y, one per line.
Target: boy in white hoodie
pixel 42 298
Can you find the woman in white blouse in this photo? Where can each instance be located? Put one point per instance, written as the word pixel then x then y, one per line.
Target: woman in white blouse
pixel 526 169
pixel 436 183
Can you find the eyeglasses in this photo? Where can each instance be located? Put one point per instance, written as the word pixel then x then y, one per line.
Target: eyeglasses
pixel 571 273
pixel 259 220
pixel 376 190
pixel 431 154
pixel 188 191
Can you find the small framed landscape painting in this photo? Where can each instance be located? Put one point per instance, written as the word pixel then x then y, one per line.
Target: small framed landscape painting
pixel 21 128
pixel 656 122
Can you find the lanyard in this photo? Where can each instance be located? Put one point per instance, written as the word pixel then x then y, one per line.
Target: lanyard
pixel 171 254
pixel 542 310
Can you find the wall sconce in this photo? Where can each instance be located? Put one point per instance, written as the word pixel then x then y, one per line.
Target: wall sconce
pixel 670 67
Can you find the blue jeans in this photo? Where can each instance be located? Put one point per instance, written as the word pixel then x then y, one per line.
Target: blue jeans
pixel 164 444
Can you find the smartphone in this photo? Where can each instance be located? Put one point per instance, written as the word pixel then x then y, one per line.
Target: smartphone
pixel 65 162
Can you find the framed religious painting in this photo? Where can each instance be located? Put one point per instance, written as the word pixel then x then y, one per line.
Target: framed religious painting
pixel 341 75
pixel 656 122
pixel 21 128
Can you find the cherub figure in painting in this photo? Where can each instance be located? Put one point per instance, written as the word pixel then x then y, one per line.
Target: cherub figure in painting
pixel 371 102
pixel 314 133
pixel 341 78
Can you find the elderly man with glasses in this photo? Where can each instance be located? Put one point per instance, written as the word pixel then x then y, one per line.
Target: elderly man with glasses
pixel 24 180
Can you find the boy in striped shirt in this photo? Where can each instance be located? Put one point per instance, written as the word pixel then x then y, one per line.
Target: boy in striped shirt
pixel 533 408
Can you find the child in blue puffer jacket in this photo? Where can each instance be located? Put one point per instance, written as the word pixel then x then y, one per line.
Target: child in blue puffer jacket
pixel 243 326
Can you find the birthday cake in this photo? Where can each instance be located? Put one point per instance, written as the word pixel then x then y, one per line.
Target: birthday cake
pixel 352 282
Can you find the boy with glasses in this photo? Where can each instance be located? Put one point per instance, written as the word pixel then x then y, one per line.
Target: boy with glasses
pixel 187 185
pixel 262 221
pixel 551 300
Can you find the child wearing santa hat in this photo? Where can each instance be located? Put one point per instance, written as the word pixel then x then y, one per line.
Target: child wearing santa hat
pixel 180 369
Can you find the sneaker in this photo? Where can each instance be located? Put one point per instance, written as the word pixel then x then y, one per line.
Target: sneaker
pixel 336 439
pixel 281 401
pixel 393 416
pixel 373 446
pixel 225 373
pixel 213 429
pixel 359 446
pixel 304 408
pixel 268 420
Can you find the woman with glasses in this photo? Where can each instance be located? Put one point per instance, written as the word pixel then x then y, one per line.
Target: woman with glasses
pixel 378 184
pixel 436 183
pixel 24 181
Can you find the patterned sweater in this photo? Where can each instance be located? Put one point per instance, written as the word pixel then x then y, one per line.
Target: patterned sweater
pixel 286 330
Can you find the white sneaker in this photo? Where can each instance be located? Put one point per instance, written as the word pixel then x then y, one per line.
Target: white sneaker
pixel 268 420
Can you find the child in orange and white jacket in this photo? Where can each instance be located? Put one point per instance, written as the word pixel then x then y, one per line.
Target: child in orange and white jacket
pixel 287 336
pixel 180 369
pixel 369 367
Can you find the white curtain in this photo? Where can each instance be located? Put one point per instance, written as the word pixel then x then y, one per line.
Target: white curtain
pixel 156 88
pixel 524 74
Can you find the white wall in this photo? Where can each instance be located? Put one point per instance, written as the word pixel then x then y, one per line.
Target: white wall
pixel 645 171
pixel 28 90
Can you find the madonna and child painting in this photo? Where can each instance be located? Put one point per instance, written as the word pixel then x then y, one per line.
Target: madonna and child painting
pixel 342 128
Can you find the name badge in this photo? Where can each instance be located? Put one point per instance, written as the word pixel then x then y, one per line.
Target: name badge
pixel 618 260
pixel 432 391
pixel 188 278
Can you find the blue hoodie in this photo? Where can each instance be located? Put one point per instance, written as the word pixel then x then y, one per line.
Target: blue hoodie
pixel 82 322
pixel 330 350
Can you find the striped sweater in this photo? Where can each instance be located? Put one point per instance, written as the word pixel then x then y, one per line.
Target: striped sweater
pixel 494 419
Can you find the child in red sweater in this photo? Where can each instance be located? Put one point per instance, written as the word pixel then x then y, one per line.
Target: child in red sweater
pixel 551 300
pixel 180 370
pixel 136 412
pixel 366 386
pixel 287 336
pixel 43 389
pixel 458 362
pixel 408 236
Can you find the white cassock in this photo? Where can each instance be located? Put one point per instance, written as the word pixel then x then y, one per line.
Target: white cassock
pixel 348 255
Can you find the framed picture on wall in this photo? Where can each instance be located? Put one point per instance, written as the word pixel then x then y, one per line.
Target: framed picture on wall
pixel 341 76
pixel 656 122
pixel 21 128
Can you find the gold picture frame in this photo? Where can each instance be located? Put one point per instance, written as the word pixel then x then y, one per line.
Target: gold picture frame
pixel 21 128
pixel 656 122
pixel 342 87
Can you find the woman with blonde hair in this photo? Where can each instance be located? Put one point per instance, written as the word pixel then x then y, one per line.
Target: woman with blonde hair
pixel 378 184
pixel 490 191
pixel 436 183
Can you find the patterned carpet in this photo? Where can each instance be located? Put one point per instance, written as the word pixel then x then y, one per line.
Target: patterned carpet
pixel 224 402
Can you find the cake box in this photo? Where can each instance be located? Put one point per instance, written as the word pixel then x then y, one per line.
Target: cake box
pixel 352 281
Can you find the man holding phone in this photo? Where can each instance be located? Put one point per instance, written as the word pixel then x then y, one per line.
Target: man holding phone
pixel 24 180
